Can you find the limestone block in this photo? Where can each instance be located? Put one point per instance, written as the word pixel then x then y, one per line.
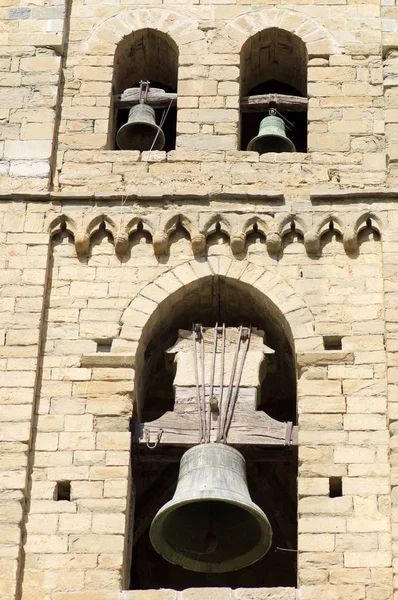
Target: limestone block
pixel 106 523
pixel 88 595
pixel 96 543
pixel 365 486
pixel 332 592
pixel 44 524
pixel 364 422
pixel 116 488
pixel 315 524
pixel 86 489
pixel 40 63
pixel 149 595
pixel 314 542
pixel 198 87
pixel 47 544
pixel 78 423
pixel 354 454
pixel 278 593
pixel 207 594
pixel 113 441
pixel 313 486
pixel 340 576
pixel 75 523
pixel 88 457
pixel 32 149
pixel 102 473
pixel 367 559
pixel 100 578
pixel 76 440
pixel 322 505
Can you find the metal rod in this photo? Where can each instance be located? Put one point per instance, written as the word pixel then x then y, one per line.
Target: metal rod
pixel 231 381
pixel 213 366
pixel 221 383
pixel 236 389
pixel 202 350
pixel 195 361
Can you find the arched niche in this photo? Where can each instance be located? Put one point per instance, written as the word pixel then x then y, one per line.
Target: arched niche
pixel 272 481
pixel 274 61
pixel 146 55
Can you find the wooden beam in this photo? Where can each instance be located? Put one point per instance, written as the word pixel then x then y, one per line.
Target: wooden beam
pixel 182 429
pixel 156 98
pixel 159 99
pixel 283 102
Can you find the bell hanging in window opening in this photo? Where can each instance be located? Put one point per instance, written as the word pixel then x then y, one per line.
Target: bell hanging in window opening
pixel 272 135
pixel 141 131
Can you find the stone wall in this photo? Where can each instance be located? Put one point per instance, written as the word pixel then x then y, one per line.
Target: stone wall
pixel 80 429
pixel 55 66
pixel 99 244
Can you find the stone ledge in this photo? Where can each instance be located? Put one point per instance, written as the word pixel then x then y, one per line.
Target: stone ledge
pixel 212 594
pixel 107 359
pixel 325 357
pixel 328 196
pixel 271 196
pixel 274 196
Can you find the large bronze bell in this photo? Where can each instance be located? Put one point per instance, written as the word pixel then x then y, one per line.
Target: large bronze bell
pixel 271 137
pixel 211 524
pixel 140 132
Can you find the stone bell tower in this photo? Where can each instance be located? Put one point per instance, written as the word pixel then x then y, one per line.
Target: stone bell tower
pixel 167 164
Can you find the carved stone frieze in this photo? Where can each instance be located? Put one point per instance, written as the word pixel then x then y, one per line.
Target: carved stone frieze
pixel 274 229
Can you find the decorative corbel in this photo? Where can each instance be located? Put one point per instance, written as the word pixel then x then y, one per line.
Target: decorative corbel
pixel 312 242
pixel 82 243
pixel 121 243
pixel 273 242
pixel 350 240
pixel 198 242
pixel 238 242
pixel 160 242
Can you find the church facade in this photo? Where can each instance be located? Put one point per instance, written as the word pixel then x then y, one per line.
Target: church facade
pixel 110 248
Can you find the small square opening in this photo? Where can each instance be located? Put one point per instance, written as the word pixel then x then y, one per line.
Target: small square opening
pixel 332 342
pixel 62 491
pixel 104 345
pixel 335 487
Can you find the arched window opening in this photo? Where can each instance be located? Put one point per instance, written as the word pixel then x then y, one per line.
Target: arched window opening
pixel 274 84
pixel 150 56
pixel 271 471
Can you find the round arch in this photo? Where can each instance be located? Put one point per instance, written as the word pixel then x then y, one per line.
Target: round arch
pixel 318 39
pixel 166 303
pixel 182 29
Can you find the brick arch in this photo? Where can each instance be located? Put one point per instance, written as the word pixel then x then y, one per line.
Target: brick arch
pixel 318 39
pixel 150 310
pixel 181 28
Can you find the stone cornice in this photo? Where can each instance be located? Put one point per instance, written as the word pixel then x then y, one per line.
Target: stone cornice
pixel 267 196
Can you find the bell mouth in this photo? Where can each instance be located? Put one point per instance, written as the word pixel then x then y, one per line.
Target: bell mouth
pixel 274 142
pixel 143 137
pixel 211 535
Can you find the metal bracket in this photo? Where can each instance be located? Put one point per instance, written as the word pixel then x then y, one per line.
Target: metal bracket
pixel 147 436
pixel 144 89
pixel 288 433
